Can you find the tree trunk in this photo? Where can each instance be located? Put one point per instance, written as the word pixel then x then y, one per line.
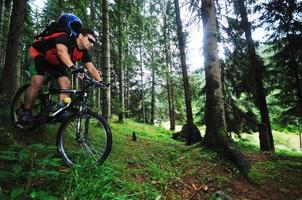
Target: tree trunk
pixel 296 73
pixel 1 21
pixel 168 78
pixel 121 63
pixel 152 91
pixel 142 80
pixel 127 88
pixel 150 38
pixel 106 111
pixel 9 76
pixel 172 94
pixel 189 127
pixel 216 134
pixel 5 29
pixel 257 67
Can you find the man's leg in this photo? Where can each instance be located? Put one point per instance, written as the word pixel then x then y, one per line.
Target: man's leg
pixel 64 84
pixel 33 91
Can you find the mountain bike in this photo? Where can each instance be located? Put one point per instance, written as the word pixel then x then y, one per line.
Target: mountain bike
pixel 84 136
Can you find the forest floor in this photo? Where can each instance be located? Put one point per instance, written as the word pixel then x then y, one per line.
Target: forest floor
pixel 153 167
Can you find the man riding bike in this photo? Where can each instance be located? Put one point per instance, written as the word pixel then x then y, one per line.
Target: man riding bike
pixel 57 54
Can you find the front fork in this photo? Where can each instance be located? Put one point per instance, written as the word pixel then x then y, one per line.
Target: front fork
pixel 83 115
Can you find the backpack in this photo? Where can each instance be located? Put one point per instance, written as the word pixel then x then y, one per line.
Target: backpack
pixel 67 23
pixel 50 28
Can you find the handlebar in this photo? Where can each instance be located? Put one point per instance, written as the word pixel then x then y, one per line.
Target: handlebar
pixel 91 81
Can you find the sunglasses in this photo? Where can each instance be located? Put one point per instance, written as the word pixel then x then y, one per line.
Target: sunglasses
pixel 91 40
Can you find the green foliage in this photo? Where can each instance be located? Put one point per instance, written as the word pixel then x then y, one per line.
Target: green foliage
pixel 147 168
pixel 30 172
pixel 285 143
pixel 284 58
pixel 4 110
pixel 269 171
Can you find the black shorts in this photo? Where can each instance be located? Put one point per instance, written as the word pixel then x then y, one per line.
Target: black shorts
pixel 39 66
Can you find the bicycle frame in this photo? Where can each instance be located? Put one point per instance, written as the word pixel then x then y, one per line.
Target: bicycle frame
pixel 81 98
pixel 82 129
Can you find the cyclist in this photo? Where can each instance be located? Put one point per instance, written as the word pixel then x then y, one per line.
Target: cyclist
pixel 57 54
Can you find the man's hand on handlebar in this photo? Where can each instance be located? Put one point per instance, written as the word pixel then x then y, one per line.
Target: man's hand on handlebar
pixel 77 71
pixel 80 73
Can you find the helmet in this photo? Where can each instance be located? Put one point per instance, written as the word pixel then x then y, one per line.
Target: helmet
pixel 72 22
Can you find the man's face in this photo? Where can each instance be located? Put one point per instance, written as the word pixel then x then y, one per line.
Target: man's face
pixel 88 41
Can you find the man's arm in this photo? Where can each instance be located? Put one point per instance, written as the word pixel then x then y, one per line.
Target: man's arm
pixel 93 71
pixel 63 55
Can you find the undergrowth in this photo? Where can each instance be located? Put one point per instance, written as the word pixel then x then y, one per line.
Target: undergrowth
pixel 152 167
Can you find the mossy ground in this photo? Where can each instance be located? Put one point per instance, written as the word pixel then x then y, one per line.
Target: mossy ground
pixel 152 167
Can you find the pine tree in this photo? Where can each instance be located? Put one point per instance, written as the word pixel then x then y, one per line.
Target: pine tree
pixel 215 136
pixel 9 75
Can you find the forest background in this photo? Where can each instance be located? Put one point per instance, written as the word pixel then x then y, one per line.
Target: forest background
pixel 251 88
pixel 149 29
pixel 140 55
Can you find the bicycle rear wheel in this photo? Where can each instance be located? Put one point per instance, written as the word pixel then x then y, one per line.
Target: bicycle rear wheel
pixel 17 105
pixel 84 140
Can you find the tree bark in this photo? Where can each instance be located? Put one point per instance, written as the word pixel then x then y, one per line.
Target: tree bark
pixel 127 86
pixel 152 92
pixel 168 78
pixel 1 18
pixel 296 73
pixel 142 80
pixel 257 68
pixel 190 130
pixel 121 63
pixel 181 44
pixel 106 111
pixel 5 29
pixel 216 134
pixel 8 82
pixel 150 37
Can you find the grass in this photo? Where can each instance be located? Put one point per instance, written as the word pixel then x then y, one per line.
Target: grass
pixel 153 167
pixel 285 143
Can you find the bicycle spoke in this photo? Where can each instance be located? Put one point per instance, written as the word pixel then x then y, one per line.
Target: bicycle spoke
pixel 90 150
pixel 92 144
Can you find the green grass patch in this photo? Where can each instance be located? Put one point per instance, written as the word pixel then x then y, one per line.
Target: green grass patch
pixel 149 168
pixel 275 170
pixel 30 172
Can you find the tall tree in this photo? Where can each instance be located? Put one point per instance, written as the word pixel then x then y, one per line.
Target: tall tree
pixel 9 75
pixel 106 59
pixel 152 90
pixel 167 70
pixel 284 45
pixel 216 137
pixel 121 61
pixel 190 131
pixel 265 130
pixel 1 19
pixel 142 79
pixel 151 33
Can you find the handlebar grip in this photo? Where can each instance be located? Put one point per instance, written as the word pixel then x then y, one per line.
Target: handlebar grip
pixel 103 84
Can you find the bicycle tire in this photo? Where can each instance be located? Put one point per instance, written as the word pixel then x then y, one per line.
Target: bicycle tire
pixel 75 152
pixel 17 105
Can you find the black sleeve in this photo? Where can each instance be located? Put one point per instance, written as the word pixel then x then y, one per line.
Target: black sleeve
pixel 86 57
pixel 62 39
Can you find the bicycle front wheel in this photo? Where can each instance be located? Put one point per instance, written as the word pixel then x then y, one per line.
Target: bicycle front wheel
pixel 84 139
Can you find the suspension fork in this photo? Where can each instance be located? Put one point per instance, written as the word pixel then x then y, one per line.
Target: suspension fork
pixel 82 113
pixel 87 118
